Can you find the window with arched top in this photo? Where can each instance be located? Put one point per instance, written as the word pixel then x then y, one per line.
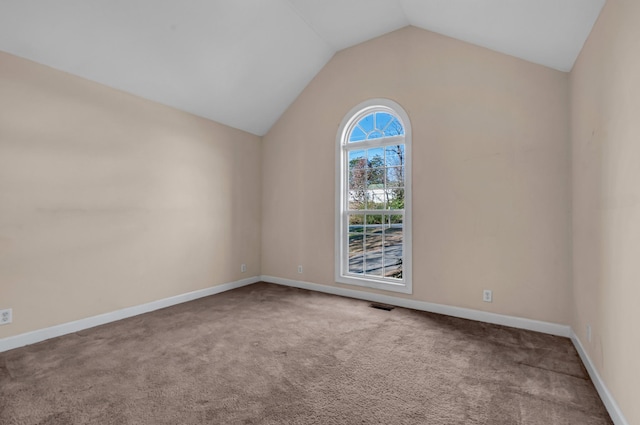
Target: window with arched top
pixel 373 217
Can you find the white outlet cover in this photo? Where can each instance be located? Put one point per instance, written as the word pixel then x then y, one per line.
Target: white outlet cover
pixel 487 296
pixel 6 316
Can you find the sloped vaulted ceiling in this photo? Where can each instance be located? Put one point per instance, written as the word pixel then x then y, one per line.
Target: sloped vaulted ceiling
pixel 242 62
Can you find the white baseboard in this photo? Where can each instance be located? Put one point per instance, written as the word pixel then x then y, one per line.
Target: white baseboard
pixel 609 402
pixel 21 340
pixel 464 313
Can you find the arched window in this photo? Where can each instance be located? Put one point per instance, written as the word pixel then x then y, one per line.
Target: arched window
pixel 373 217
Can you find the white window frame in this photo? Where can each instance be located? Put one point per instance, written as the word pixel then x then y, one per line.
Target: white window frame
pixel 342 275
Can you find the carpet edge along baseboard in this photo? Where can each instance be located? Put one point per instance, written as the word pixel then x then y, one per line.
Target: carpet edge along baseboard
pixel 28 338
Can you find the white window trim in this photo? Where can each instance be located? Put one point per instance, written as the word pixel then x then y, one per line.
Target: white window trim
pixel 406 285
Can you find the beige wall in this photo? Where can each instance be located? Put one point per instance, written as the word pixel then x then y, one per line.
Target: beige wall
pixel 109 201
pixel 605 117
pixel 491 175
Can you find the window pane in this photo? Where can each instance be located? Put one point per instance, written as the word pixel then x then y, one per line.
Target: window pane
pixel 357 159
pixel 393 267
pixel 373 223
pixel 382 120
pixel 356 243
pixel 356 252
pixel 357 188
pixel 375 157
pixel 393 244
pixel 395 177
pixel 393 236
pixel 357 135
pixel 394 155
pixel 373 265
pixel 373 249
pixel 375 199
pixel 394 129
pixel 357 200
pixel 373 243
pixel 356 223
pixel 395 199
pixel 357 179
pixel 375 178
pixel 396 220
pixel 366 123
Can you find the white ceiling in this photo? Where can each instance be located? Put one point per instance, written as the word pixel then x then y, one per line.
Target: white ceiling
pixel 242 62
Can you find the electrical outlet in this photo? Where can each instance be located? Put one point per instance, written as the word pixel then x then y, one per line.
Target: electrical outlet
pixel 487 295
pixel 243 268
pixel 6 316
pixel 299 269
pixel 588 332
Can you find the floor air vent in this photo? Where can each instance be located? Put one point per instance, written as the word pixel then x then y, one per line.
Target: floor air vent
pixel 379 306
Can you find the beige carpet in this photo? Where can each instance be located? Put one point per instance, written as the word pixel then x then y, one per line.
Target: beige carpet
pixel 266 354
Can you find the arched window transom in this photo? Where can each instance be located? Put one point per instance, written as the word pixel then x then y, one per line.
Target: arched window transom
pixel 376 125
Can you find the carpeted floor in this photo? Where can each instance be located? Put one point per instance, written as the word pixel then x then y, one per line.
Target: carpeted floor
pixel 266 354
